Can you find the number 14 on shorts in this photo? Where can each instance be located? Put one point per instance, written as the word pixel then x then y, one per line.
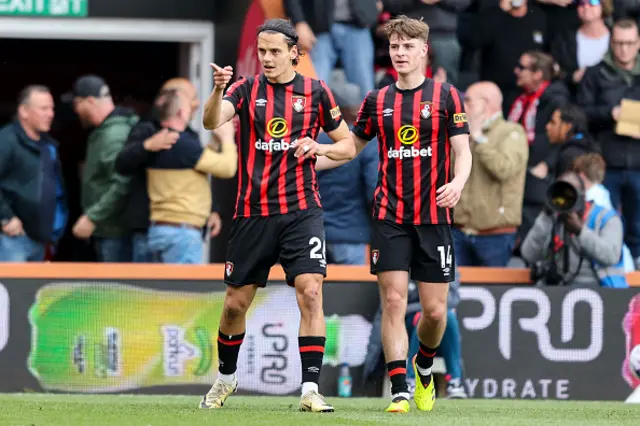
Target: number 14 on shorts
pixel 446 258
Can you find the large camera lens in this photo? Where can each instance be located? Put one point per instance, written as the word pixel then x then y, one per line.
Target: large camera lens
pixel 562 196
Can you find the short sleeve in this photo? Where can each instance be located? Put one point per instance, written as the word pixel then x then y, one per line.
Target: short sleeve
pixel 363 127
pixel 237 92
pixel 330 114
pixel 190 149
pixel 456 117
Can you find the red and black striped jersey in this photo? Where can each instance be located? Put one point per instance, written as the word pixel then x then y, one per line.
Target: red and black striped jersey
pixel 273 117
pixel 413 129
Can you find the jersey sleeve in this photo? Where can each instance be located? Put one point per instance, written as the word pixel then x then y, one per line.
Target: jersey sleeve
pixel 330 114
pixel 363 127
pixel 237 92
pixel 456 117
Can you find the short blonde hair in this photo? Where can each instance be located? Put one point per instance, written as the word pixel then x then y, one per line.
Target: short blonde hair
pixel 407 28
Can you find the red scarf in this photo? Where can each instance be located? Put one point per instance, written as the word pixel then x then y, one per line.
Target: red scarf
pixel 525 108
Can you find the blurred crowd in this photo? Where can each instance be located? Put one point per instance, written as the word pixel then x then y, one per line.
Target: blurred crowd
pixel 545 83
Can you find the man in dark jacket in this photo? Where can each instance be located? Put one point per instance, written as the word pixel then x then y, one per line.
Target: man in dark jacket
pixel 600 93
pixel 568 128
pixel 146 137
pixel 337 29
pixel 33 209
pixel 502 34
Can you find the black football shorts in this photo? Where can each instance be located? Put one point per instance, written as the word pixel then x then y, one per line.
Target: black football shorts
pixel 425 251
pixel 256 243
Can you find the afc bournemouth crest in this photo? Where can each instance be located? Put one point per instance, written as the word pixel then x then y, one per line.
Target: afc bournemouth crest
pixel 299 102
pixel 375 255
pixel 425 109
pixel 228 267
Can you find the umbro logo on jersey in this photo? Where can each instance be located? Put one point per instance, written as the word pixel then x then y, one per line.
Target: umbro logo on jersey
pixel 261 102
pixel 387 112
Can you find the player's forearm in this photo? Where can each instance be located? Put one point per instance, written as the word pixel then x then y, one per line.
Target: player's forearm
pixel 344 149
pixel 463 165
pixel 212 109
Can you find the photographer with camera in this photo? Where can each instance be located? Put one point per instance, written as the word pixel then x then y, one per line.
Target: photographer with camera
pixel 574 241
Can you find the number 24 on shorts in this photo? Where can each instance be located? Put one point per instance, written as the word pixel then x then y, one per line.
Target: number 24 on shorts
pixel 445 256
pixel 318 246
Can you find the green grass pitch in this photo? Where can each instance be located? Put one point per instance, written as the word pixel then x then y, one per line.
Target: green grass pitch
pixel 112 410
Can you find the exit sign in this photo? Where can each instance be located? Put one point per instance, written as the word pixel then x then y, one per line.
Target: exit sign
pixel 62 8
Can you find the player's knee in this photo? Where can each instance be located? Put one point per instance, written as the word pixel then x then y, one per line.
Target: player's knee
pixel 234 308
pixel 394 303
pixel 435 312
pixel 310 295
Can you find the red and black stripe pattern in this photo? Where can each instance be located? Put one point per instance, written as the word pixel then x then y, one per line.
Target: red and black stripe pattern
pixel 273 117
pixel 414 128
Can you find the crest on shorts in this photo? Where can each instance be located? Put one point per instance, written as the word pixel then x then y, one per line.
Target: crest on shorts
pixel 299 102
pixel 375 255
pixel 228 267
pixel 425 109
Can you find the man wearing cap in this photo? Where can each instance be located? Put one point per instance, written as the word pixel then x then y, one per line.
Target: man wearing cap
pixel 104 191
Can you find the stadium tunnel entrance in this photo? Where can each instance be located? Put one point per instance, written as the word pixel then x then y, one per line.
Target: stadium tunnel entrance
pixel 135 58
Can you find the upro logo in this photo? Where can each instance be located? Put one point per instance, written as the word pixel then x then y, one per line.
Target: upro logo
pixel 539 324
pixel 4 317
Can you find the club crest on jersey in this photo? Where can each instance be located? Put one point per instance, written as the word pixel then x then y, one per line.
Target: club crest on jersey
pixel 228 267
pixel 299 102
pixel 375 255
pixel 425 109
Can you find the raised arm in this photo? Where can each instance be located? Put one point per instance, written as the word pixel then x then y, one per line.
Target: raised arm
pixel 217 110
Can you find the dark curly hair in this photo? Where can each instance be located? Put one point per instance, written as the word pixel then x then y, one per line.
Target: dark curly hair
pixel 286 28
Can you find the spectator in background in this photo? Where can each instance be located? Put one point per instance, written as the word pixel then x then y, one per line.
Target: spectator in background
pixel 503 34
pixel 561 15
pixel 347 193
pixel 442 18
pixel 568 129
pixel 104 191
pixel 591 168
pixel 600 93
pixel 337 29
pixel 577 49
pixel 541 94
pixel 178 185
pixel 33 205
pixel 490 207
pixel 148 136
pixel 592 236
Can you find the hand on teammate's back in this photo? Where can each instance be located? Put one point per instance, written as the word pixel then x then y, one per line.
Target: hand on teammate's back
pixel 221 76
pixel 307 148
pixel 162 140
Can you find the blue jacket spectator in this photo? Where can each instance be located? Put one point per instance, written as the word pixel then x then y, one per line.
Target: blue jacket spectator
pixel 347 193
pixel 33 208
